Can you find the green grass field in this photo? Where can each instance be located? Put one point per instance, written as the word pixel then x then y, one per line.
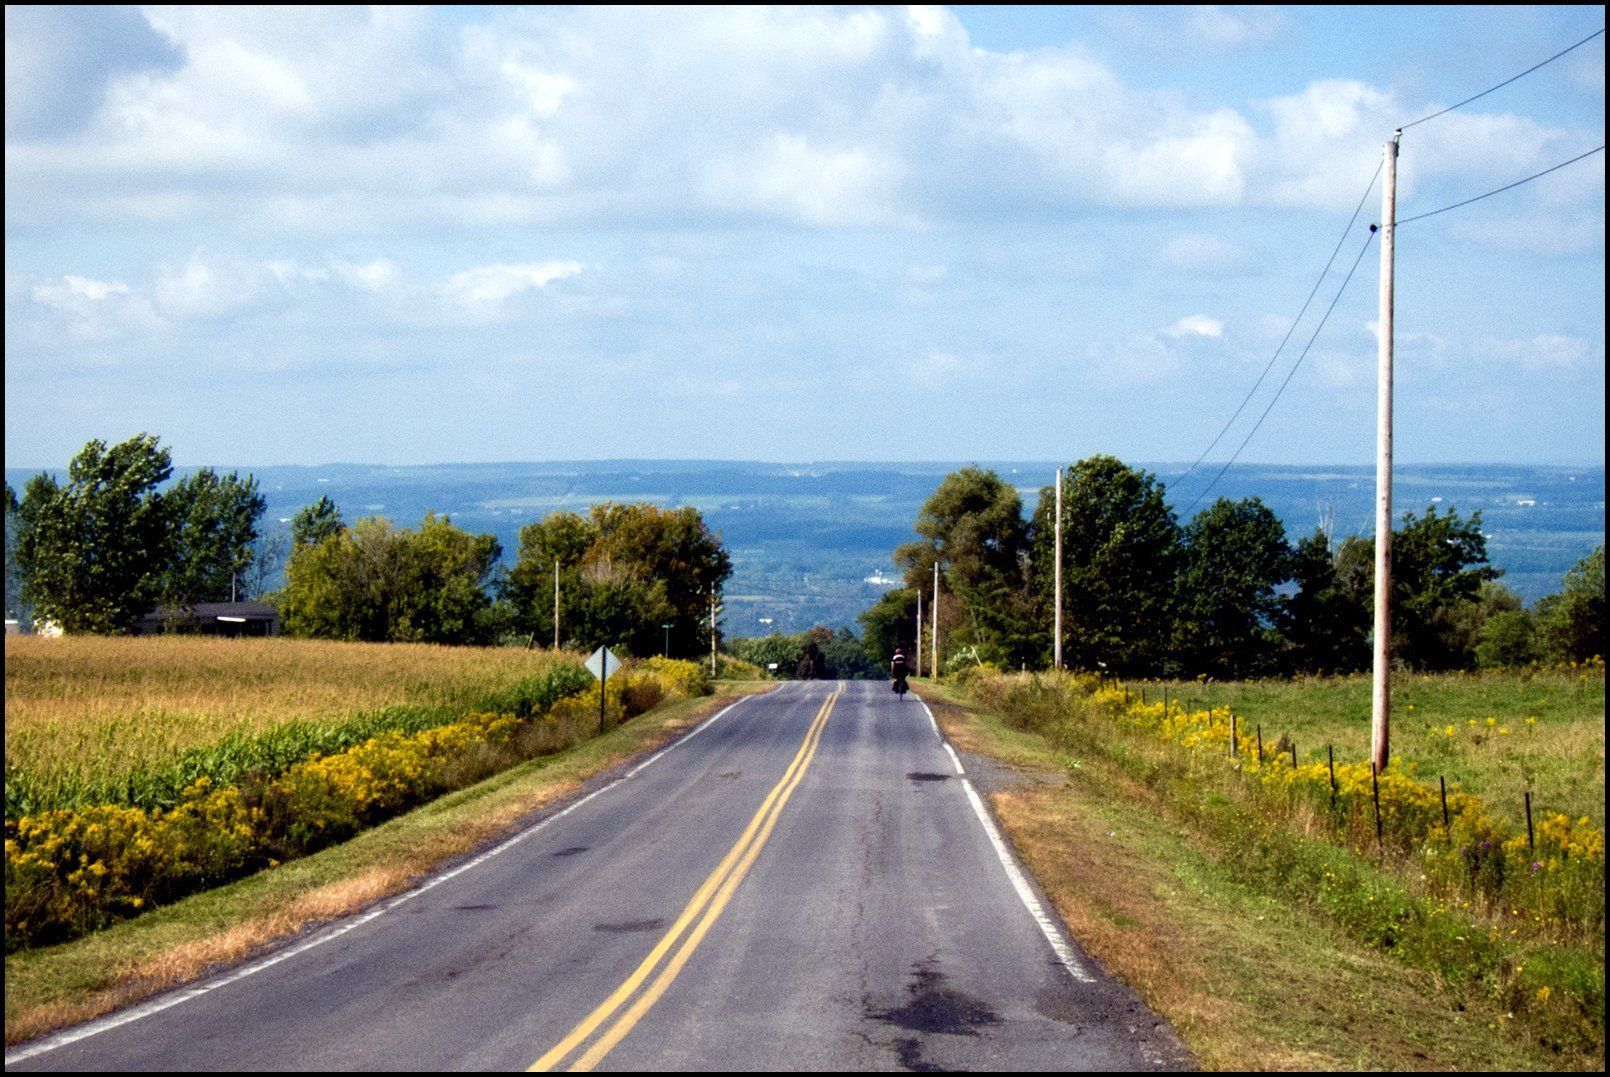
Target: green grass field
pixel 1497 735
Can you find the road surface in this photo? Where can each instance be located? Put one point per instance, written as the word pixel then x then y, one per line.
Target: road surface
pixel 807 881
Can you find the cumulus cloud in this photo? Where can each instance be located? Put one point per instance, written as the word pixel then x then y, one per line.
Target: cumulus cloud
pixel 1196 325
pixel 485 288
pixel 344 120
pixel 96 310
pixel 1546 351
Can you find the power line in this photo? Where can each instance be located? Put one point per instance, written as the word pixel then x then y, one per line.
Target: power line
pixel 1289 331
pixel 1367 240
pixel 1501 190
pixel 1506 82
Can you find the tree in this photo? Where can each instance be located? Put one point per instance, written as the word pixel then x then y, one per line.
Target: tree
pixel 377 582
pixel 314 523
pixel 1235 557
pixel 972 525
pixel 625 572
pixel 1326 627
pixel 1508 639
pixel 1571 623
pixel 1121 552
pixel 213 523
pixel 90 554
pixel 888 623
pixel 1439 562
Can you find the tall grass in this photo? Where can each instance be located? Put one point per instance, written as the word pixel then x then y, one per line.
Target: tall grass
pixel 1473 901
pixel 135 720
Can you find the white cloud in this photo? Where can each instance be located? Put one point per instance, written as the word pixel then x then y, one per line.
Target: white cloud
pixel 484 288
pixel 1199 325
pixel 96 310
pixel 1546 351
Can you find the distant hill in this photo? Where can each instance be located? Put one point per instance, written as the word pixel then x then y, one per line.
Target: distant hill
pixel 805 538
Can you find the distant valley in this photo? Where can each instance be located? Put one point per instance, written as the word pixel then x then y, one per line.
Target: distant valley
pixel 811 543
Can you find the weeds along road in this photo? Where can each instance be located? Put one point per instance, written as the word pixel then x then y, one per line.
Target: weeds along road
pixel 805 882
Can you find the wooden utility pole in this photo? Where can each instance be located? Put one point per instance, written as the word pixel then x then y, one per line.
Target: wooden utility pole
pixel 712 631
pixel 1056 659
pixel 935 663
pixel 556 603
pixel 918 646
pixel 1381 711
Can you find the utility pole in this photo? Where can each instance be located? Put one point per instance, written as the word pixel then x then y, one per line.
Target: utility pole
pixel 918 647
pixel 935 663
pixel 1056 659
pixel 556 603
pixel 712 631
pixel 1381 710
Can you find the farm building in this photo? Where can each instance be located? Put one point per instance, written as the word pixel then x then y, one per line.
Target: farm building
pixel 213 619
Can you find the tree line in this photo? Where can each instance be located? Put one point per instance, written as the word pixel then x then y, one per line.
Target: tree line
pixel 1223 595
pixel 113 543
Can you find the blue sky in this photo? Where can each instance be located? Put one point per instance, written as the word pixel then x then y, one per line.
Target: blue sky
pixel 298 236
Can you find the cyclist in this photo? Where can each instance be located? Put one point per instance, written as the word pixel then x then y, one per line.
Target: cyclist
pixel 898 669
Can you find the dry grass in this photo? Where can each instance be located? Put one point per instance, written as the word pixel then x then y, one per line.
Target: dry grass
pixel 138 701
pixel 49 989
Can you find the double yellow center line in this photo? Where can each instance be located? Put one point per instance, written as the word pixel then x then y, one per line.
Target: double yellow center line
pixel 710 899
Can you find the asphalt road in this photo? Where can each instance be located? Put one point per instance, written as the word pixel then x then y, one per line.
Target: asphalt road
pixel 806 882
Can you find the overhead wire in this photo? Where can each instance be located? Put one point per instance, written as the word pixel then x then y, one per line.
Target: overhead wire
pixel 1501 190
pixel 1289 331
pixel 1270 365
pixel 1506 82
pixel 1289 374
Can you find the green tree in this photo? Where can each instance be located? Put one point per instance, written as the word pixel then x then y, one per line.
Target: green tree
pixel 973 526
pixel 90 554
pixel 626 570
pixel 1235 557
pixel 888 623
pixel 213 522
pixel 1439 562
pixel 1571 623
pixel 1121 552
pixel 1508 639
pixel 1326 628
pixel 377 582
pixel 314 523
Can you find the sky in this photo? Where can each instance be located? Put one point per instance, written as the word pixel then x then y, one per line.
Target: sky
pixel 297 236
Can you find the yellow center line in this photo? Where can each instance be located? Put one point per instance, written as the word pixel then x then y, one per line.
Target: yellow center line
pixel 760 823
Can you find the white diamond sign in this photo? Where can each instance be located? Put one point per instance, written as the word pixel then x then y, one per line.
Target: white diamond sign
pixel 602 663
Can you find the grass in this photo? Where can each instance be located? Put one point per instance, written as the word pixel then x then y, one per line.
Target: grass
pixel 87 714
pixel 1218 921
pixel 1559 758
pixel 55 986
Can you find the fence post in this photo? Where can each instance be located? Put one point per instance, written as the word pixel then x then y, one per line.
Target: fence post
pixel 1530 843
pixel 1234 751
pixel 1331 752
pixel 1447 830
pixel 1293 755
pixel 1259 728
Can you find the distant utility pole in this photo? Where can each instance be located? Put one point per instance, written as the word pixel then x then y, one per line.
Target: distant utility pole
pixel 712 631
pixel 556 603
pixel 918 647
pixel 1056 659
pixel 1381 710
pixel 935 663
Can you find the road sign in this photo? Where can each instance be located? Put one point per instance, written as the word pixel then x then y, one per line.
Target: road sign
pixel 602 662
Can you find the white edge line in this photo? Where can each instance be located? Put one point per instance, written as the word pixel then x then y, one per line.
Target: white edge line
pixel 175 997
pixel 1048 927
